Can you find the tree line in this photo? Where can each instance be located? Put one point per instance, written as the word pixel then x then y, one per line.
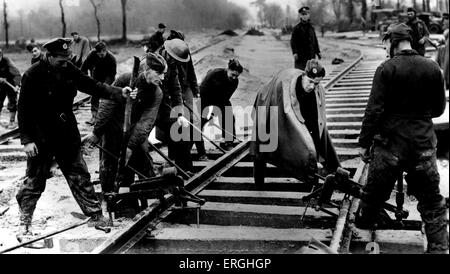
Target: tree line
pixel 119 17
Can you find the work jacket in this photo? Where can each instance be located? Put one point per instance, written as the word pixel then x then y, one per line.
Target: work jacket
pixel 80 49
pixel 102 69
pixel 294 150
pixel 407 92
pixel 419 30
pixel 216 88
pixel 304 41
pixel 45 105
pixel 9 71
pixel 143 113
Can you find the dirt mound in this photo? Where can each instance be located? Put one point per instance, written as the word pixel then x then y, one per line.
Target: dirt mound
pixel 255 32
pixel 229 32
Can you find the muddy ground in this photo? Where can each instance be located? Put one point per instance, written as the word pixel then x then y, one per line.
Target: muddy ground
pixel 262 57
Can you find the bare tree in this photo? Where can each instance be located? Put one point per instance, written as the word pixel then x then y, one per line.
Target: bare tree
pixel 350 11
pixel 273 15
pixel 337 9
pixel 5 23
pixel 124 19
pixel 260 4
pixel 97 20
pixel 63 20
pixel 414 4
pixel 364 9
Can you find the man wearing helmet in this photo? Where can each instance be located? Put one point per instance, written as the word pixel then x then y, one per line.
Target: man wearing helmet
pixel 398 131
pixel 172 111
pixel 143 115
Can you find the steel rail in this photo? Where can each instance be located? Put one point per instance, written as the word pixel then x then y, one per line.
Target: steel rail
pixel 157 211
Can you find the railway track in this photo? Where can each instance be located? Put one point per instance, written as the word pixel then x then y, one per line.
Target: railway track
pixel 238 218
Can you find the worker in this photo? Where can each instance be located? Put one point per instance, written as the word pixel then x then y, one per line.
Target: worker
pixel 9 87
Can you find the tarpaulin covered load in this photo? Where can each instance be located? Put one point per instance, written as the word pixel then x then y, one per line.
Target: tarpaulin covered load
pixel 295 151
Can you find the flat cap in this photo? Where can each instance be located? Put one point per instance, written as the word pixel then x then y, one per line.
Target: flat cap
pixel 59 46
pixel 74 32
pixel 161 26
pixel 411 10
pixel 313 69
pixel 100 46
pixel 398 32
pixel 303 9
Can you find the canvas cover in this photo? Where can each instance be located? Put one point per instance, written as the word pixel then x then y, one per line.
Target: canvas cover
pixel 295 152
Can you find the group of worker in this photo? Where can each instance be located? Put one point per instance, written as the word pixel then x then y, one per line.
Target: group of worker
pixel 162 96
pixel 397 133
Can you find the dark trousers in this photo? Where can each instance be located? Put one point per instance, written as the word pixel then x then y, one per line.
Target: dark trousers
pixel 95 102
pixel 140 160
pixel 300 63
pixel 225 133
pixel 423 182
pixel 7 91
pixel 72 165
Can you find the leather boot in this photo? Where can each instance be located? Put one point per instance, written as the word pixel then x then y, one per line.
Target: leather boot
pixel 435 220
pixel 24 233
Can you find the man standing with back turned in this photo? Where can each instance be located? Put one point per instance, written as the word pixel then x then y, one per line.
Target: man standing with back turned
pixel 304 42
pixel 407 92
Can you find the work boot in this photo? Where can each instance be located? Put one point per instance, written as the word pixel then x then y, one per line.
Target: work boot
pixel 435 221
pixel 203 158
pixel 24 234
pixel 97 219
pixel 227 146
pixel 366 217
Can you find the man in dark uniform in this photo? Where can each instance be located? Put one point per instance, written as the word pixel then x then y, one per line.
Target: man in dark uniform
pixel 420 31
pixel 48 129
pixel 110 121
pixel 102 65
pixel 9 86
pixel 156 41
pixel 172 109
pixel 216 90
pixel 304 42
pixel 189 86
pixel 311 97
pixel 407 92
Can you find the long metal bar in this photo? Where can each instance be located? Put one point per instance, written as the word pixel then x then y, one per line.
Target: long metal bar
pixel 44 236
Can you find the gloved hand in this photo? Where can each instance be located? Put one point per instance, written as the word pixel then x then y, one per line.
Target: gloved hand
pixel 128 91
pixel 183 121
pixel 91 140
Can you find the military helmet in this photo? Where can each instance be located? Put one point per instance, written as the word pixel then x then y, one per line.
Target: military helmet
pixel 178 50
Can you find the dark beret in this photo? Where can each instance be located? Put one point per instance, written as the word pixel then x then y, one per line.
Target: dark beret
pixel 411 10
pixel 156 62
pixel 59 46
pixel 161 26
